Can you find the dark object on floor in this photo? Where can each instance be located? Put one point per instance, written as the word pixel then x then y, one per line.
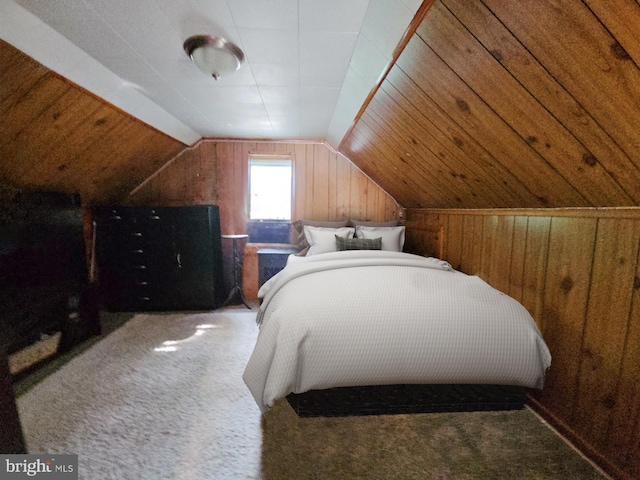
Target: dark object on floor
pixel 11 437
pixel 43 269
pixel 398 399
pixel 81 318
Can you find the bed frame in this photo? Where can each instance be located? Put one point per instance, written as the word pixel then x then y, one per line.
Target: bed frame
pixel 398 399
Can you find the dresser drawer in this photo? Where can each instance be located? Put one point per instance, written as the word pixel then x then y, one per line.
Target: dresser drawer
pixel 142 295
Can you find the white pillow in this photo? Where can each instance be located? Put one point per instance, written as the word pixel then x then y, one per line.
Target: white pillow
pixel 392 237
pixel 323 240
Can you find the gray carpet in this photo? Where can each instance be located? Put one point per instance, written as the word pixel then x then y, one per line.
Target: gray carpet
pixel 162 397
pixel 511 445
pixel 136 407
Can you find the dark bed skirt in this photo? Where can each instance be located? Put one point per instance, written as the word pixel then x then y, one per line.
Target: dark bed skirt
pixel 397 399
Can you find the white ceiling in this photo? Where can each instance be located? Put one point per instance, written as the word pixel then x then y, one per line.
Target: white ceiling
pixel 309 63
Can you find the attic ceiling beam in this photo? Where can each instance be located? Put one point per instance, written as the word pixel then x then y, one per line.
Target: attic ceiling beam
pixel 408 34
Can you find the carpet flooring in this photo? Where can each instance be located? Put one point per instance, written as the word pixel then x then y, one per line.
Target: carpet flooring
pixel 511 445
pixel 162 397
pixel 159 398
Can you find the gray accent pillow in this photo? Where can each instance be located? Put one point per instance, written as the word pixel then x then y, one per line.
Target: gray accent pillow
pixel 303 244
pixel 358 243
pixel 391 223
pixel 392 237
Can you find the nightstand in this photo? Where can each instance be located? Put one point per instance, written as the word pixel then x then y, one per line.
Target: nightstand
pixel 271 261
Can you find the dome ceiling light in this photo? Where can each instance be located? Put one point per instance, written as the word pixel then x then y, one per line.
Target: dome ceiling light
pixel 215 56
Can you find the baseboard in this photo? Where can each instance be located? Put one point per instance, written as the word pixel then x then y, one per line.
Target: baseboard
pixel 577 441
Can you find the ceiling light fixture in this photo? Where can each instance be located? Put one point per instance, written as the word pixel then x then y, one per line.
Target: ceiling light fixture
pixel 215 56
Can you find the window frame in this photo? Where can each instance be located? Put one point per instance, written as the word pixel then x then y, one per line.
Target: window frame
pixel 271 158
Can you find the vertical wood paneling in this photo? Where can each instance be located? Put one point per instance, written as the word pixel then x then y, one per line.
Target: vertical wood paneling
pixel 500 263
pixel 320 181
pixel 343 191
pixel 225 186
pixel 610 293
pixel 487 245
pixel 517 257
pixel 333 186
pixel 327 186
pixel 424 236
pixel 623 436
pixel 299 180
pixel 309 191
pixel 475 252
pixel 454 227
pixel 535 267
pixel 579 276
pixel 565 301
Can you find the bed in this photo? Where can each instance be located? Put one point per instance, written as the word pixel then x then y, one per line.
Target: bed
pixel 362 319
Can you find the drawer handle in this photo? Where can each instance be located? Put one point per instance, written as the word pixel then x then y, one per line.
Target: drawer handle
pixel 142 284
pixel 141 267
pixel 138 251
pixel 136 234
pixel 115 217
pixel 145 299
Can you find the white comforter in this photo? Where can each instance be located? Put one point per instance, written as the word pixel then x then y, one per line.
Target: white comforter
pixel 379 318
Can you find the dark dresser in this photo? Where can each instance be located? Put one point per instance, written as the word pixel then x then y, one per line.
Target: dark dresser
pixel 159 258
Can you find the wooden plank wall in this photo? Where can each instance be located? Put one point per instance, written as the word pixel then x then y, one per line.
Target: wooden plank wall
pixel 577 271
pixel 496 104
pixel 55 135
pixel 327 186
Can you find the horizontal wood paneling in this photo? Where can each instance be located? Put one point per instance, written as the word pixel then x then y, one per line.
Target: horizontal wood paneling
pixel 578 277
pixel 509 104
pixel 55 135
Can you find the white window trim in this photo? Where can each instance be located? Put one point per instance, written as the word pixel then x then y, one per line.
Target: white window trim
pixel 270 159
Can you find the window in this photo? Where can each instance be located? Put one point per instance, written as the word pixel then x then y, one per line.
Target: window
pixel 270 187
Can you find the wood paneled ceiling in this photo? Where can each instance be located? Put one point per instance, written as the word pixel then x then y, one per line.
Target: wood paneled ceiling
pixel 55 135
pixel 510 104
pixel 491 104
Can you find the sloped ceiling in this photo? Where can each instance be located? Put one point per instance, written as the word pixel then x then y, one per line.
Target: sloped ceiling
pixel 55 135
pixel 308 64
pixel 510 104
pixel 491 104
